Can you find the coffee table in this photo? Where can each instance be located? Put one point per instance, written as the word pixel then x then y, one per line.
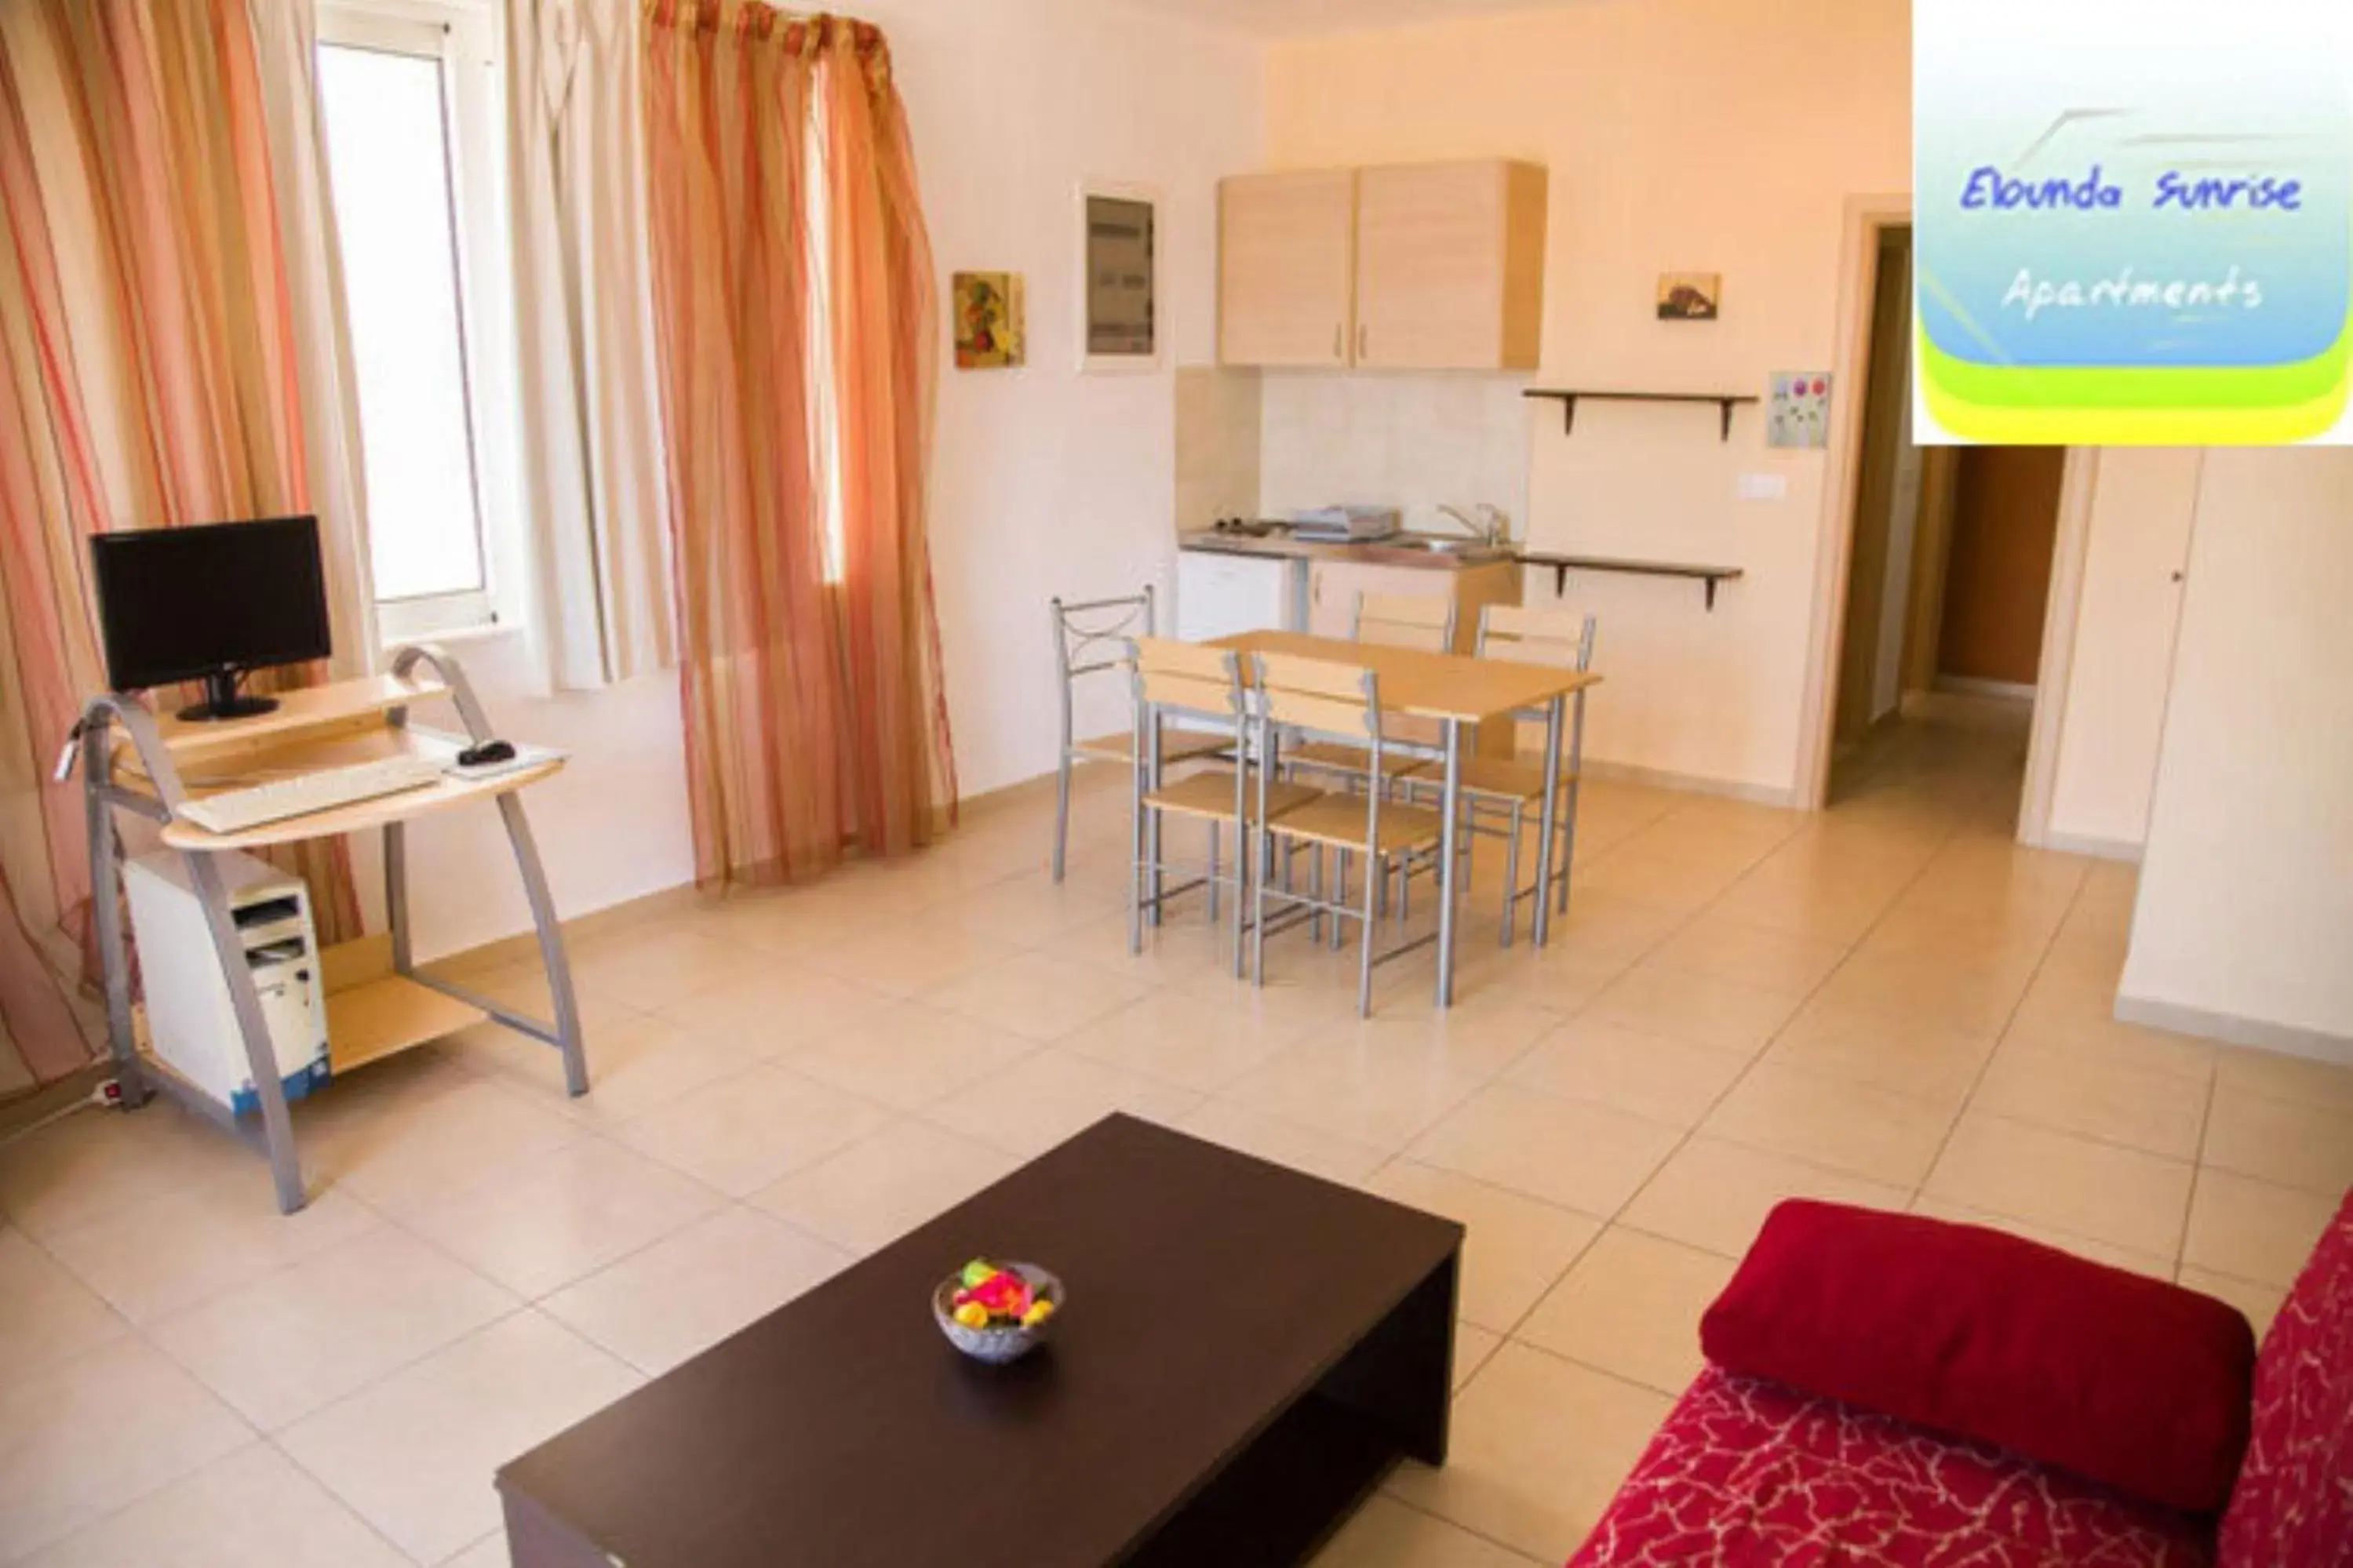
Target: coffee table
pixel 1245 1353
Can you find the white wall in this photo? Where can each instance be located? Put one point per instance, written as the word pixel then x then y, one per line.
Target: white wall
pixel 2244 922
pixel 1680 135
pixel 611 827
pixel 2138 544
pixel 1046 481
pixel 1645 179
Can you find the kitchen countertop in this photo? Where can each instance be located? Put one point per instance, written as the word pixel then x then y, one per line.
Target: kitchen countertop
pixel 1433 551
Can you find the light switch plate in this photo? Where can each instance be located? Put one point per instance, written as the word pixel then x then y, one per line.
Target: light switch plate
pixel 1764 486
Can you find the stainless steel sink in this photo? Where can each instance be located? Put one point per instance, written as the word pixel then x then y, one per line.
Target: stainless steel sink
pixel 1410 546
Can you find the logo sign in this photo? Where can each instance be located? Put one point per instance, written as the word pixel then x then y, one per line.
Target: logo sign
pixel 2133 222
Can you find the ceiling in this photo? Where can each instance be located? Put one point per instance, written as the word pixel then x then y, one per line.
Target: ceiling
pixel 1306 18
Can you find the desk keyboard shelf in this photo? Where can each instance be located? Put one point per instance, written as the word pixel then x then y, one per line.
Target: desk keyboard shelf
pixel 358 816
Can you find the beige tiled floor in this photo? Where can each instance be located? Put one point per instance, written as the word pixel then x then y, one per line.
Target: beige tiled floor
pixel 1890 1004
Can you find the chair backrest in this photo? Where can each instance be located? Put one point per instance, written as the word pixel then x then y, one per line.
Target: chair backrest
pixel 1090 637
pixel 2293 1502
pixel 1560 638
pixel 1406 620
pixel 1188 678
pixel 1321 695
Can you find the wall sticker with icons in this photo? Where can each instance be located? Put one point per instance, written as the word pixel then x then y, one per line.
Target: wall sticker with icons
pixel 1800 409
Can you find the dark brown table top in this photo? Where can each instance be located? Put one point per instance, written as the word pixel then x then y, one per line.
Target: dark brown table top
pixel 1207 1289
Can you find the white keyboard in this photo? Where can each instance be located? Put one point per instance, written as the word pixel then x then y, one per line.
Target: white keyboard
pixel 234 810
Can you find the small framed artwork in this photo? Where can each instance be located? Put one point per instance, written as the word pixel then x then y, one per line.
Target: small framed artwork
pixel 1690 296
pixel 1799 413
pixel 989 320
pixel 1119 293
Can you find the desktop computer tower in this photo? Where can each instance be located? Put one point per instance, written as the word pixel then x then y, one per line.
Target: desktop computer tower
pixel 191 1022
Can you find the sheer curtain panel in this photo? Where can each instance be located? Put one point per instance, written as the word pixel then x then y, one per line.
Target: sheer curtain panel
pixel 794 322
pixel 175 354
pixel 592 456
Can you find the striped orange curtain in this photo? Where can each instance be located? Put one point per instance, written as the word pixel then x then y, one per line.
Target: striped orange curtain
pixel 881 294
pixel 792 295
pixel 178 405
pixel 51 498
pixel 168 110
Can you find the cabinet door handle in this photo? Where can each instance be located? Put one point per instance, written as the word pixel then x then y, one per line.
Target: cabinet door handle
pixel 1339 341
pixel 1363 342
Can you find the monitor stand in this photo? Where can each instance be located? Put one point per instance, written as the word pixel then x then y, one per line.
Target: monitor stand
pixel 223 700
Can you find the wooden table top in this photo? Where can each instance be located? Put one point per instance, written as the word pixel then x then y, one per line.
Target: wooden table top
pixel 1429 685
pixel 1206 1291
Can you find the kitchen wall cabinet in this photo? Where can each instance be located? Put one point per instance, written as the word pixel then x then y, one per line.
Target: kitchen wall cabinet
pixel 1449 265
pixel 1286 267
pixel 1415 266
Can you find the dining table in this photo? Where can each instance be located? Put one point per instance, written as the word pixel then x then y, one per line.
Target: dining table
pixel 1458 692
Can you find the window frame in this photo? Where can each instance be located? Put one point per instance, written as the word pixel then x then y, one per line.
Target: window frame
pixel 463 36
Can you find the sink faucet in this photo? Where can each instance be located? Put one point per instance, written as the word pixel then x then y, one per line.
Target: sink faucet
pixel 1492 526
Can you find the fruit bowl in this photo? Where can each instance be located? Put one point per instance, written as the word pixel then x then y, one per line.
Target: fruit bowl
pixel 996 1312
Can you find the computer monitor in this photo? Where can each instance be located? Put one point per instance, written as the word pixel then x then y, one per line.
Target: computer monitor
pixel 209 603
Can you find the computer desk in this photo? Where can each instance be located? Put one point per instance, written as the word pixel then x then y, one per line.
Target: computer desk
pixel 378 1002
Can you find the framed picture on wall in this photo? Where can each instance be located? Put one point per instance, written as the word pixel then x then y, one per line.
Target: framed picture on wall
pixel 1119 278
pixel 1690 296
pixel 989 320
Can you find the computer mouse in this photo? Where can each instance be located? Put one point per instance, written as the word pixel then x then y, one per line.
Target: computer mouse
pixel 488 752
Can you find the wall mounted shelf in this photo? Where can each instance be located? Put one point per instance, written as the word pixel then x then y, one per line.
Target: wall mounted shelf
pixel 1562 565
pixel 1725 401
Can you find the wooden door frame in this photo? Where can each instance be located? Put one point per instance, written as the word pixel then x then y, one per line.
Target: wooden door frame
pixel 1877 467
pixel 1866 216
pixel 2077 482
pixel 1924 621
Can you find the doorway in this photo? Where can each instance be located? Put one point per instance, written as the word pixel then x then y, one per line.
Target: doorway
pixel 1951 555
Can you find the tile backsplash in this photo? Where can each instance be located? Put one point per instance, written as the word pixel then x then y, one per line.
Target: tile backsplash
pixel 1412 441
pixel 1218 420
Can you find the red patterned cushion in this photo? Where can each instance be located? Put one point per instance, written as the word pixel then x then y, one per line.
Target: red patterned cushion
pixel 1746 1473
pixel 2294 1504
pixel 2128 1380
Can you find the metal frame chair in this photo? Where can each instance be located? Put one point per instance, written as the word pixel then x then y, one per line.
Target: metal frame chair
pixel 1389 620
pixel 1092 637
pixel 1312 696
pixel 1188 680
pixel 1395 620
pixel 1564 639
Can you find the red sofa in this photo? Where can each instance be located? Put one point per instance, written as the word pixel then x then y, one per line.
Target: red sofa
pixel 1745 1471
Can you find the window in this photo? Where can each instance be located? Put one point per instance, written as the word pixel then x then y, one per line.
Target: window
pixel 409 150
